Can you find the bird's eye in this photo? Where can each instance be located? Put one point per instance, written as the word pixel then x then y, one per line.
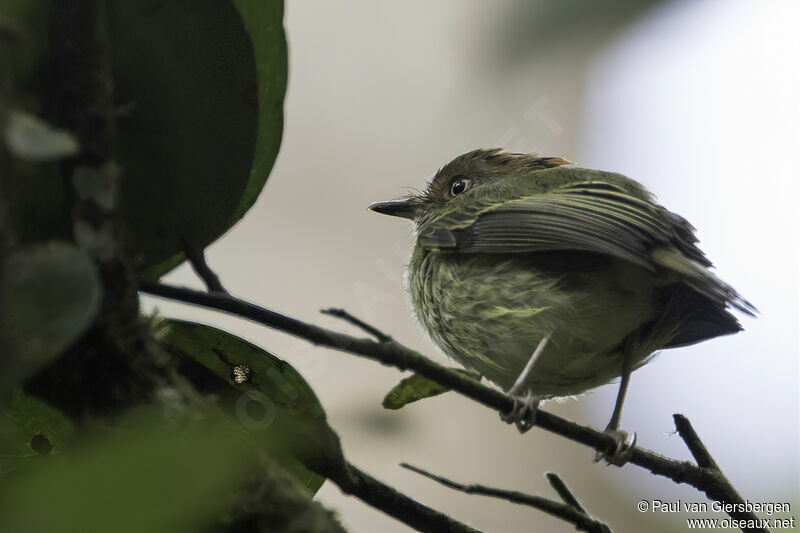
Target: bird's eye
pixel 459 184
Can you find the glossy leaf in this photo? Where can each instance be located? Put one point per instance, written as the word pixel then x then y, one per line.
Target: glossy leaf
pixel 201 89
pixel 271 399
pixel 263 21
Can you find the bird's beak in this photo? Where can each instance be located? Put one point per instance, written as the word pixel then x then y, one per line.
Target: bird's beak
pixel 405 207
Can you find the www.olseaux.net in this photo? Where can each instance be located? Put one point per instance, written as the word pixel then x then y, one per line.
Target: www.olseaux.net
pixel 744 525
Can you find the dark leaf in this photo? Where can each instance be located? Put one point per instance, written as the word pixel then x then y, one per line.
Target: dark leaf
pixel 263 21
pixel 49 295
pixel 200 88
pixel 264 394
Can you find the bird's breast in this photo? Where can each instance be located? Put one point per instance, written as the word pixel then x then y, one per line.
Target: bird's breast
pixel 490 311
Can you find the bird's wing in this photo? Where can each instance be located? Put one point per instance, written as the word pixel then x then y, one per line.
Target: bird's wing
pixel 593 217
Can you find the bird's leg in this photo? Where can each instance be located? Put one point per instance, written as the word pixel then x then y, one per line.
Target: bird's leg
pixel 620 454
pixel 524 413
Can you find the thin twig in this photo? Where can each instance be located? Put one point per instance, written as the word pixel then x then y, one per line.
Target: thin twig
pixel 197 258
pixel 705 460
pixel 561 488
pixel 709 481
pixel 347 317
pixel 564 511
pixel 358 483
pixel 693 442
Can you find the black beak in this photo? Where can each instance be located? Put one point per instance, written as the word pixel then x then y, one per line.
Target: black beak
pixel 404 208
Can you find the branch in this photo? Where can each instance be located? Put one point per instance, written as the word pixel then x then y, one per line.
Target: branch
pixel 197 258
pixel 347 317
pixel 396 504
pixel 317 446
pixel 561 488
pixel 565 511
pixel 706 461
pixel 692 440
pixel 707 480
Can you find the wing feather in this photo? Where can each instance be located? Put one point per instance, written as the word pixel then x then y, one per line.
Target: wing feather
pixel 591 216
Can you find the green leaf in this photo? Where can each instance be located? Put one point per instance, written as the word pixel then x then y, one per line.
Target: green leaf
pixel 264 23
pixel 272 400
pixel 49 296
pixel 200 84
pixel 29 429
pixel 416 387
pixel 144 476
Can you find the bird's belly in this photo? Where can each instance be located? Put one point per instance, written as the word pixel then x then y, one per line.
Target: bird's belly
pixel 489 313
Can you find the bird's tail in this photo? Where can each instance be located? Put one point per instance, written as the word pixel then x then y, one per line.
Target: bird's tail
pixel 702 280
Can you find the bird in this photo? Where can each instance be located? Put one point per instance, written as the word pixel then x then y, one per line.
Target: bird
pixel 550 280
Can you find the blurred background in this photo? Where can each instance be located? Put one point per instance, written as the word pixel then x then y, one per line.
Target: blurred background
pixel 698 100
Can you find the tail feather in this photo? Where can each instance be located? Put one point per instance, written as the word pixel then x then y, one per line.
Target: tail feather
pixel 699 317
pixel 702 280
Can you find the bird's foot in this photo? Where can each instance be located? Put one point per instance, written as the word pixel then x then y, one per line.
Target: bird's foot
pixel 523 415
pixel 620 452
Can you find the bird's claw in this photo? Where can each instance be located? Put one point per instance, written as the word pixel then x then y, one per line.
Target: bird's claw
pixel 619 454
pixel 523 415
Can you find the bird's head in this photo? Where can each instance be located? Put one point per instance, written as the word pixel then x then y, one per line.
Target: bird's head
pixel 465 176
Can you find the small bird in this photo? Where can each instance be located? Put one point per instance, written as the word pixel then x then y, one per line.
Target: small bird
pixel 549 279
